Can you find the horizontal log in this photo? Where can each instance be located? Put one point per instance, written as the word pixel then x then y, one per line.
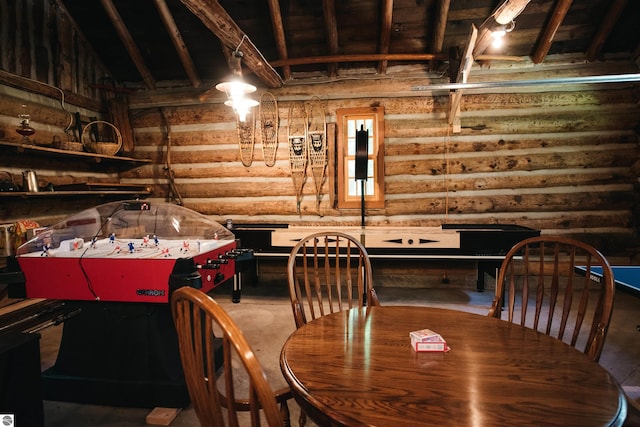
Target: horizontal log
pixel 529 202
pixel 183 115
pixel 623 155
pixel 40 114
pixel 533 101
pixel 157 138
pixel 462 144
pixel 230 155
pixel 249 190
pixel 472 204
pixel 211 170
pixel 567 121
pixel 497 181
pixel 560 221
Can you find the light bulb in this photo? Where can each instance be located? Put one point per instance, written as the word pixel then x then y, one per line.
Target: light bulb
pixel 498 38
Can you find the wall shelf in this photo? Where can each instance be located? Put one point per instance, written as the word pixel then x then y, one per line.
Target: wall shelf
pixel 101 193
pixel 47 151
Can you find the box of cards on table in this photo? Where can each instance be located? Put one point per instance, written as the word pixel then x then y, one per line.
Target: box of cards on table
pixel 428 341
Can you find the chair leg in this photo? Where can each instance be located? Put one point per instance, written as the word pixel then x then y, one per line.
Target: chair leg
pixel 303 418
pixel 284 414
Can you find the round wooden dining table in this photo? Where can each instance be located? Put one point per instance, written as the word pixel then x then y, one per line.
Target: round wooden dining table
pixel 357 368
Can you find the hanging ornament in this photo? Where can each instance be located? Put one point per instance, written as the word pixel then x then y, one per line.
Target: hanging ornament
pixel 317 145
pixel 269 127
pixel 246 139
pixel 298 148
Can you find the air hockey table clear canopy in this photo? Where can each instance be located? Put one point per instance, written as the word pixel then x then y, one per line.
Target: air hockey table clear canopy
pixel 131 220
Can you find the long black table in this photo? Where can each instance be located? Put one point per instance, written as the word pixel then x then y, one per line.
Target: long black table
pixel 485 244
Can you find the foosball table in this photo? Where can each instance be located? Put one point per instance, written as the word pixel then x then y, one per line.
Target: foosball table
pixel 115 267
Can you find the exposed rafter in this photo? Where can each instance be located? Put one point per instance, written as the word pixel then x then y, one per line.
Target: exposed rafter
pixel 440 25
pixel 278 35
pixel 385 33
pixel 178 42
pixel 610 19
pixel 129 44
pixel 557 16
pixel 292 38
pixel 217 20
pixel 333 59
pixel 331 28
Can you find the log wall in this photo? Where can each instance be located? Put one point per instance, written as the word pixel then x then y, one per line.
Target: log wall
pixel 556 158
pixel 559 158
pixel 47 66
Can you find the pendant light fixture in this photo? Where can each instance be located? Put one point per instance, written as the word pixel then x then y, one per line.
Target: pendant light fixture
pixel 237 89
pixel 499 31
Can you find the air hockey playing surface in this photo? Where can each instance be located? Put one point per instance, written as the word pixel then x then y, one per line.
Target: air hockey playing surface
pixel 107 261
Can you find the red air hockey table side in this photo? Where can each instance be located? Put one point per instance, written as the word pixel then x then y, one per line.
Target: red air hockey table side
pixel 115 266
pixel 109 271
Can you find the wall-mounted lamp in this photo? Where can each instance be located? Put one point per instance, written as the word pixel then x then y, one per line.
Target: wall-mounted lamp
pixel 499 31
pixel 236 89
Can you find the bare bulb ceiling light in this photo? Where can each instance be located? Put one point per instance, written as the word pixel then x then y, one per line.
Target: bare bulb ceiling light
pixel 499 31
pixel 237 90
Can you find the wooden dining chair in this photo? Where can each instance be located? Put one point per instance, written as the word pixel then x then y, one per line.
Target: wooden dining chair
pixel 329 272
pixel 197 316
pixel 538 286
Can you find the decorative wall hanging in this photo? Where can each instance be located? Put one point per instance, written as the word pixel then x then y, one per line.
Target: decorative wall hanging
pixel 317 145
pixel 174 192
pixel 269 127
pixel 246 138
pixel 298 148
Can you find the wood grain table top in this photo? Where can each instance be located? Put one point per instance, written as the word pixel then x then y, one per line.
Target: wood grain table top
pixel 357 368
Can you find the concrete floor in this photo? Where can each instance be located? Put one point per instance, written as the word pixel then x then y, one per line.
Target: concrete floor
pixel 264 314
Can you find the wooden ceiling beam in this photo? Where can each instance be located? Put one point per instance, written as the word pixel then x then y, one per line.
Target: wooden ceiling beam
pixel 609 21
pixel 462 76
pixel 129 43
pixel 178 42
pixel 440 25
pixel 331 29
pixel 217 20
pixel 549 32
pixel 635 56
pixel 278 35
pixel 385 33
pixel 506 12
pixel 374 57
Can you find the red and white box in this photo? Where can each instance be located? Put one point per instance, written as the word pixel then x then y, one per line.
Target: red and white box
pixel 425 340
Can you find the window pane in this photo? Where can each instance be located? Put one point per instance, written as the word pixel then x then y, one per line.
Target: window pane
pixel 370 187
pixel 354 188
pixel 351 147
pixel 350 121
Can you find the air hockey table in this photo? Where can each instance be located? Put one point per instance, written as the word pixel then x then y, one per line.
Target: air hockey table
pixel 115 266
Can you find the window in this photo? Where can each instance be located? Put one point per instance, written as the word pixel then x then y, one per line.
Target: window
pixel 350 120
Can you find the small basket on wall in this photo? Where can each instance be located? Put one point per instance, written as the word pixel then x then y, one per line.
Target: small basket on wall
pixel 101 137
